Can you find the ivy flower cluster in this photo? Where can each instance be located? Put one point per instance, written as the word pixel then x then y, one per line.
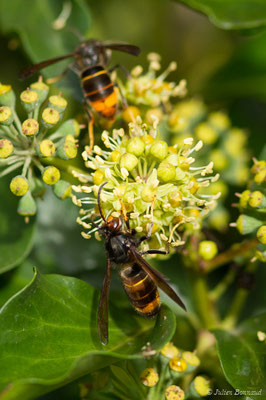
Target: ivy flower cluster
pixel 152 184
pixel 30 146
pixel 252 207
pixel 225 145
pixel 149 89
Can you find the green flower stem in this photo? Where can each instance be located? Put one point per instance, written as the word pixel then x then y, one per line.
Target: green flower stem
pixel 158 388
pixel 36 112
pixel 206 308
pixel 65 166
pixel 11 168
pixel 238 303
pixel 219 289
pixel 236 250
pixel 26 166
pixel 235 309
pixel 17 122
pixel 8 133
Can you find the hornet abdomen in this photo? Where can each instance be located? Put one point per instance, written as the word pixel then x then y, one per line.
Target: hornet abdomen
pixel 141 290
pixel 99 90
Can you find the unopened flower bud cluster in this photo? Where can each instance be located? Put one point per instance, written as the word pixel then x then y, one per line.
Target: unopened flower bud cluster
pixel 29 146
pixel 252 207
pixel 153 185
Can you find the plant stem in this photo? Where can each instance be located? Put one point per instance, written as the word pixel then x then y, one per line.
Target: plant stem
pixel 239 249
pixel 236 308
pixel 219 289
pixel 206 307
pixel 238 303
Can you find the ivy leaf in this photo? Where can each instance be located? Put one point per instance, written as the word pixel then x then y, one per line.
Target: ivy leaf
pixel 232 14
pixel 243 356
pixel 49 336
pixel 16 237
pixel 37 25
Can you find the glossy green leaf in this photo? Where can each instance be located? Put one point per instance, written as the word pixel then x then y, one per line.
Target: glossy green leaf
pixel 16 237
pixel 49 336
pixel 232 14
pixel 36 25
pixel 243 356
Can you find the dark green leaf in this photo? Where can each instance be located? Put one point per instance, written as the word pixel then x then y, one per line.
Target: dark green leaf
pixel 35 25
pixel 243 356
pixel 16 237
pixel 15 280
pixel 232 14
pixel 49 336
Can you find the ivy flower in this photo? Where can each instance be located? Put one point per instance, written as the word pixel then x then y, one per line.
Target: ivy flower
pixel 150 184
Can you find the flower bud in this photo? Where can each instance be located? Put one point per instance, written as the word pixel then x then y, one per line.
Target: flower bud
pixel 51 175
pixel 50 117
pixel 178 364
pixel 68 149
pixel 246 224
pixel 152 114
pixel 261 234
pixel 166 172
pixel 159 149
pixel 115 155
pixel 200 387
pixel 46 148
pixel 19 185
pixel 98 177
pixel 207 249
pixel 7 96
pixel 27 205
pixel 219 187
pixel 130 114
pixel 149 377
pixel 244 198
pixel 62 189
pixel 30 127
pixel 260 176
pixel 6 148
pixel 179 174
pixel 69 127
pixel 169 350
pixel 175 198
pixel 219 159
pixel 6 116
pixel 29 100
pixel 135 146
pixel 148 194
pixel 206 133
pixel 128 161
pixel 41 89
pixel 174 392
pixel 191 359
pixel 257 200
pixel 219 120
pixel 182 163
pixel 58 103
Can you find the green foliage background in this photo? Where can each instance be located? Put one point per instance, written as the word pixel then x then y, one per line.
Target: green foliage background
pixel 227 67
